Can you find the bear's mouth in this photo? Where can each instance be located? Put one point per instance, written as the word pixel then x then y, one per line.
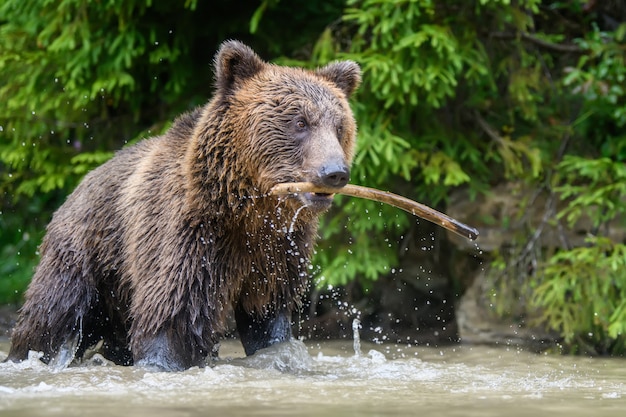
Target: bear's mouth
pixel 317 201
pixel 318 196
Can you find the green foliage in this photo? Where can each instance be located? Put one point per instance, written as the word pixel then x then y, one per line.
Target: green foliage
pixel 583 296
pixel 348 249
pixel 18 245
pixel 432 70
pixel 427 77
pixel 582 292
pixel 259 12
pixel 67 71
pixel 599 76
pixel 596 188
pixel 69 84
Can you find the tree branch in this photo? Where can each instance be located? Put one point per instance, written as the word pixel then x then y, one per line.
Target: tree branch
pixel 488 129
pixel 557 47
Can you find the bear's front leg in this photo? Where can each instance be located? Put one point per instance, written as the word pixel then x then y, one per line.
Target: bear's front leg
pixel 260 331
pixel 168 351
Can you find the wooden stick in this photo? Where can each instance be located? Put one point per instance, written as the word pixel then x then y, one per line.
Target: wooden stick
pixel 395 200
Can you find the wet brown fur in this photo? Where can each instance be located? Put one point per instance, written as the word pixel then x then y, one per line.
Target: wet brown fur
pixel 153 247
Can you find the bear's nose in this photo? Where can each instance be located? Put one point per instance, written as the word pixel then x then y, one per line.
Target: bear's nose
pixel 335 175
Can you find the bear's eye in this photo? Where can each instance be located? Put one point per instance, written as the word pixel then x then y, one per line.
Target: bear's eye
pixel 340 131
pixel 301 124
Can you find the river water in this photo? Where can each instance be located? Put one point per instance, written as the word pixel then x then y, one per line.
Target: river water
pixel 326 379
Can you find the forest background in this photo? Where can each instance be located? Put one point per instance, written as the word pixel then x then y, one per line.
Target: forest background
pixel 462 101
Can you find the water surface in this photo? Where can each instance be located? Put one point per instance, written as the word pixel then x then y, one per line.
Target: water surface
pixel 327 379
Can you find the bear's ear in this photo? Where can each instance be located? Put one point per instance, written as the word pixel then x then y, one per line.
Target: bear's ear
pixel 345 74
pixel 235 62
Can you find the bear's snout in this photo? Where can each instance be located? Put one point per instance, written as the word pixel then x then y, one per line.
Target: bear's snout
pixel 334 175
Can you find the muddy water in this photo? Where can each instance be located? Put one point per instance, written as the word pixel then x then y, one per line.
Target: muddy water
pixel 327 379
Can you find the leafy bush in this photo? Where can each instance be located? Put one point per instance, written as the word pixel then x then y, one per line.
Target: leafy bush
pixel 582 291
pixel 431 92
pixel 471 95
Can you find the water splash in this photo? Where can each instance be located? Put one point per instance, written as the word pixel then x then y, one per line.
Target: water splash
pixel 67 351
pixel 290 357
pixel 356 337
pixel 295 217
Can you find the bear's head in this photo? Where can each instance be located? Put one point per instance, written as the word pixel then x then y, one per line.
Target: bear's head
pixel 290 124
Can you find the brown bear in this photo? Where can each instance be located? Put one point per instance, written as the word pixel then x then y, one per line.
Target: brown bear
pixel 156 246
